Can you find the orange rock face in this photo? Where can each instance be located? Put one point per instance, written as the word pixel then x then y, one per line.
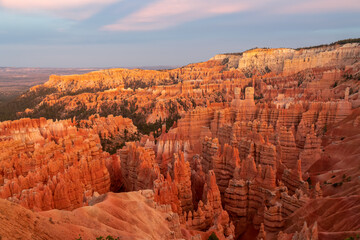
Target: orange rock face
pixel 135 221
pixel 108 127
pixel 46 164
pixel 166 192
pixel 138 167
pixel 258 145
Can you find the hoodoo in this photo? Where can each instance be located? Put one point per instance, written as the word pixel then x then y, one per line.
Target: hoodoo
pixel 258 145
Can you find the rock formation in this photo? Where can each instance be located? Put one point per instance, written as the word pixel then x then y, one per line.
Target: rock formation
pixel 182 179
pixel 262 144
pixel 138 167
pixel 46 164
pixel 144 219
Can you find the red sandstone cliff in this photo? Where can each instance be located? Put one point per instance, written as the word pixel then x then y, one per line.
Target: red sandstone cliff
pixel 277 160
pixel 46 164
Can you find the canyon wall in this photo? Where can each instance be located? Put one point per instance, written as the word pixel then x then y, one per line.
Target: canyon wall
pixel 258 145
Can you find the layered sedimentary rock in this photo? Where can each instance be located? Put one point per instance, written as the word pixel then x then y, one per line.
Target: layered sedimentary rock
pixel 197 180
pixel 112 78
pixel 166 146
pixel 289 61
pixel 113 164
pixel 289 152
pixel 210 213
pixel 166 192
pixel 110 126
pixel 295 74
pixel 113 131
pixel 266 154
pixel 177 192
pixel 262 233
pixel 305 233
pixel 182 178
pixel 194 126
pixel 243 146
pixel 141 218
pixel 210 153
pixel 293 180
pixel 224 166
pixel 138 167
pixel 244 110
pixel 46 164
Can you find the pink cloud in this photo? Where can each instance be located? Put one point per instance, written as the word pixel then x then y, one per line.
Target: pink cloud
pixel 317 6
pixel 73 9
pixel 167 13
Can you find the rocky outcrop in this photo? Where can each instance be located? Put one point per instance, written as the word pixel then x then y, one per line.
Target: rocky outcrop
pixel 312 150
pixel 237 196
pixel 288 61
pixel 46 164
pixel 110 126
pixel 166 192
pixel 141 218
pixel 288 150
pixel 138 167
pixel 113 164
pixel 292 178
pixel 210 153
pixel 244 145
pixel 224 166
pixel 210 213
pixel 197 180
pixel 195 126
pixel 265 153
pixel 243 110
pixel 262 233
pixel 305 233
pixel 273 219
pixel 165 148
pixel 291 203
pixel 182 178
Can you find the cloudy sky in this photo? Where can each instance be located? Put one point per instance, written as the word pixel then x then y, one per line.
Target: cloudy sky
pixel 130 33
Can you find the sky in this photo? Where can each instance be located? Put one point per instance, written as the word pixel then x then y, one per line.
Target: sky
pixel 136 33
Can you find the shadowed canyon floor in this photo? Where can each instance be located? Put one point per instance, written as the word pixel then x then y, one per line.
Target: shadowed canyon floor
pixel 263 144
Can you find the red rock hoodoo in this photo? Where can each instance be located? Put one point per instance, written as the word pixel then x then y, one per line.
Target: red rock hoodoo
pixel 258 145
